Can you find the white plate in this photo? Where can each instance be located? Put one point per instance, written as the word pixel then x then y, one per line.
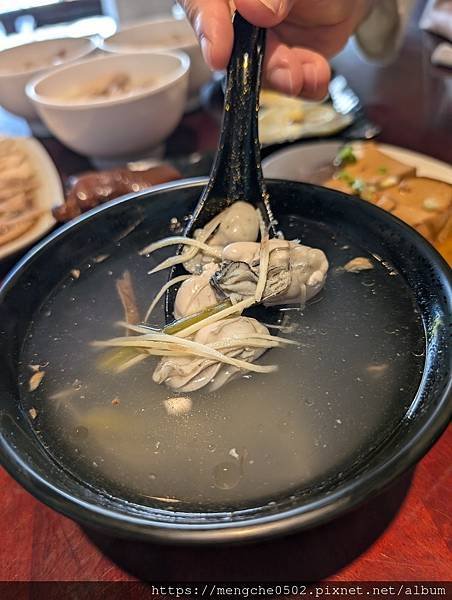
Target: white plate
pixel 48 194
pixel 320 120
pixel 312 162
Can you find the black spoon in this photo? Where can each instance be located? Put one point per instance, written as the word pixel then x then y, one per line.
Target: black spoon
pixel 236 173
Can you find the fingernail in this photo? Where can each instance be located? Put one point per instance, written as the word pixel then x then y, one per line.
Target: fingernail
pixel 274 5
pixel 206 49
pixel 310 78
pixel 281 79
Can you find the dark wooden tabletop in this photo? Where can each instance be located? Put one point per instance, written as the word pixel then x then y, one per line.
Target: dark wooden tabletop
pixel 403 534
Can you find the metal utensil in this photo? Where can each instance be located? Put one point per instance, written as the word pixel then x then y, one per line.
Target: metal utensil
pixel 346 102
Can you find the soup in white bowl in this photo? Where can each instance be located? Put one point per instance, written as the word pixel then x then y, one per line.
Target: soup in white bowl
pixel 165 33
pixel 20 64
pixel 114 106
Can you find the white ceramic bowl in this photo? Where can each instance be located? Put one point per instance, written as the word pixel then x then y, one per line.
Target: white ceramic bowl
pixel 21 64
pixel 163 34
pixel 115 127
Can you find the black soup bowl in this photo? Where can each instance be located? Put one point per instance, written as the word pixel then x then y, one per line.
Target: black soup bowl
pixel 416 281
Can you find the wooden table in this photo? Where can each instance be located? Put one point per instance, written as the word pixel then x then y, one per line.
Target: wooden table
pixel 404 534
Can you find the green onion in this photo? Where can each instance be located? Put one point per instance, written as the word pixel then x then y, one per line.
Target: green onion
pixel 346 177
pixel 346 156
pixel 113 360
pixel 181 324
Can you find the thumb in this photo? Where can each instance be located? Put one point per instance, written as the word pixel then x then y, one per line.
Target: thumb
pixel 264 13
pixel 211 20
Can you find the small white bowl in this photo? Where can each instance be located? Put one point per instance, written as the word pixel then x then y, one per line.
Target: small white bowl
pixel 121 126
pixel 21 64
pixel 163 34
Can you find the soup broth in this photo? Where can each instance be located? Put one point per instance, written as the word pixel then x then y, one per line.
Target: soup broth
pixel 332 401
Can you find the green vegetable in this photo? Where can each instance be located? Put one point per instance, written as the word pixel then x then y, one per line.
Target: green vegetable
pixel 346 177
pixel 382 170
pixel 346 156
pixel 113 360
pixel 185 322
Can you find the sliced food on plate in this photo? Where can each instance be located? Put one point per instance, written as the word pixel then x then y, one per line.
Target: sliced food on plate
pixel 18 184
pixel 88 190
pixel 424 203
pixel 412 186
pixel 365 170
pixel 29 186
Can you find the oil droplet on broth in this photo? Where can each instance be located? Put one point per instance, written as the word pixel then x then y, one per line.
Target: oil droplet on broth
pixel 418 353
pixel 81 433
pixel 366 282
pixel 391 330
pixel 283 425
pixel 227 475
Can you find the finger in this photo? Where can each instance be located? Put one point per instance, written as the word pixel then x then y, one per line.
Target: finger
pixel 326 39
pixel 264 13
pixel 296 71
pixel 325 12
pixel 211 20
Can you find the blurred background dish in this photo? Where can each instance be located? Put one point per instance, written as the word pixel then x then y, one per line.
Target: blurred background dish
pixel 20 64
pixel 129 11
pixel 164 34
pixel 92 188
pixel 313 162
pixel 34 188
pixel 412 186
pixel 114 108
pixel 97 27
pixel 285 119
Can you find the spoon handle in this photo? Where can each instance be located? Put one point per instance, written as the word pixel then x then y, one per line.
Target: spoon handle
pixel 237 173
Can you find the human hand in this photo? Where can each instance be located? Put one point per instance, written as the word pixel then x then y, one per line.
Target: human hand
pixel 302 35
